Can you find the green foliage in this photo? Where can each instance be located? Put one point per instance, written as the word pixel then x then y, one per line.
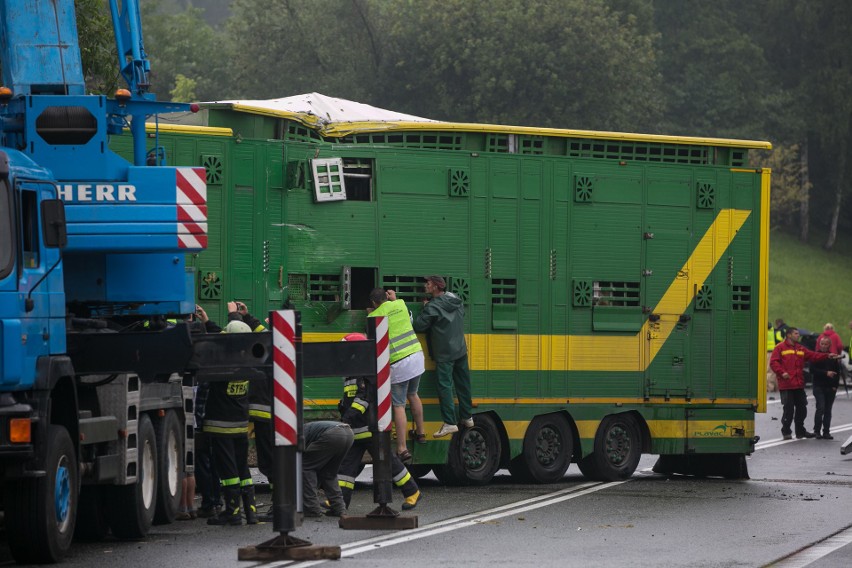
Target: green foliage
pixel 568 64
pixel 184 89
pixel 287 47
pixel 789 185
pixel 808 285
pixel 182 44
pixel 97 46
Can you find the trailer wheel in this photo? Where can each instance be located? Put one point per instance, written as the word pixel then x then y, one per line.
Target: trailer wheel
pixel 44 509
pixel 618 447
pixel 131 508
pixel 548 447
pixel 474 454
pixel 93 524
pixel 169 467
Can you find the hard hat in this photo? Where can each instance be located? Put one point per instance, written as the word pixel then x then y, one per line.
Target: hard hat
pixel 237 326
pixel 355 337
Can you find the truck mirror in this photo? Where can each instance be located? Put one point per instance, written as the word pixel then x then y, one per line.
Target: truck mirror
pixel 53 223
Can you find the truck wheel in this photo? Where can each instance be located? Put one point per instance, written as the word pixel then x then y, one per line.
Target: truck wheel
pixel 131 508
pixel 547 451
pixel 169 467
pixel 618 447
pixel 474 454
pixel 45 509
pixel 93 524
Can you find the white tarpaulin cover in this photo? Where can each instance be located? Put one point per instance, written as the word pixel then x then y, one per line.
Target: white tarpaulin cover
pixel 326 109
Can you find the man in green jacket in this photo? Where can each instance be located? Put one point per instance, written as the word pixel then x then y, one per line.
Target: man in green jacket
pixel 443 318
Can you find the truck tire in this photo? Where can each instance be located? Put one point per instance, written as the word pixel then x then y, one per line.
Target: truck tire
pixel 131 507
pixel 546 455
pixel 170 467
pixel 473 456
pixel 44 509
pixel 617 450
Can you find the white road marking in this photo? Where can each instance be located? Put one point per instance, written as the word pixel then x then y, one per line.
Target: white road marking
pixel 807 555
pixel 816 551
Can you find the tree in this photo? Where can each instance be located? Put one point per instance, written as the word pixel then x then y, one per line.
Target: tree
pixel 568 64
pixel 717 80
pixel 182 44
pixel 288 47
pixel 810 54
pixel 97 46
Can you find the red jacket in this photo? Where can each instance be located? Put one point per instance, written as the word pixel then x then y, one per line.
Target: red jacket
pixel 836 342
pixel 790 358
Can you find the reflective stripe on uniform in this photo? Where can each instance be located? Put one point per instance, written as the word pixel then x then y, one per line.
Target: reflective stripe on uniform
pixel 260 411
pixel 230 481
pixel 362 432
pixel 346 481
pixel 246 482
pixel 401 478
pixel 360 405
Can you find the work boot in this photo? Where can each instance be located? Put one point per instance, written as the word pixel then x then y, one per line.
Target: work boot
pixel 467 422
pixel 411 501
pixel 804 434
pixel 827 436
pixel 266 516
pixel 249 504
pixel 230 515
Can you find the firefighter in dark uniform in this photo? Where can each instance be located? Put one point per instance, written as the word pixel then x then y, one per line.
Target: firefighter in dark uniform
pixel 353 411
pixel 226 422
pixel 260 401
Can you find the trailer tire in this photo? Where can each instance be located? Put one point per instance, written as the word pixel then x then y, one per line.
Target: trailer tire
pixel 473 456
pixel 170 467
pixel 93 524
pixel 547 450
pixel 617 450
pixel 131 507
pixel 44 509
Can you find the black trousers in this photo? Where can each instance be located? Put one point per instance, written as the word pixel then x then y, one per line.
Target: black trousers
pixel 795 403
pixel 824 397
pixel 351 467
pixel 205 471
pixel 264 443
pixel 231 457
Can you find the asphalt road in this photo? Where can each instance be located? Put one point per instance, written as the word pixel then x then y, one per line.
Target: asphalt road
pixel 795 511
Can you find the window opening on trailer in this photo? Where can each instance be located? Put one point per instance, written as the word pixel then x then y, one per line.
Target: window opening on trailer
pixel 342 179
pixel 358 174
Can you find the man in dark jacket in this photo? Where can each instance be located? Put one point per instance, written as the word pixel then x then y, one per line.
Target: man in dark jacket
pixel 826 376
pixel 787 361
pixel 443 318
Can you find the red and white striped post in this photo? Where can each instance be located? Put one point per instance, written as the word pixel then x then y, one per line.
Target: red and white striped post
pixel 284 393
pixel 381 414
pixel 286 417
pixel 383 402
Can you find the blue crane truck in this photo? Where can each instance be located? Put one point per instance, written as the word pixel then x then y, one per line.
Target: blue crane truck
pixel 96 360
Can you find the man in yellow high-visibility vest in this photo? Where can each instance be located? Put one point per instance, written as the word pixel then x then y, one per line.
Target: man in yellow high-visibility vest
pixel 407 365
pixel 771 380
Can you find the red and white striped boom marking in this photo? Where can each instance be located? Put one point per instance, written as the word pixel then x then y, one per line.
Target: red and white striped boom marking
pixel 284 376
pixel 191 186
pixel 383 374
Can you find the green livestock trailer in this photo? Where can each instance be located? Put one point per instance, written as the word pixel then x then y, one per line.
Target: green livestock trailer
pixel 615 284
